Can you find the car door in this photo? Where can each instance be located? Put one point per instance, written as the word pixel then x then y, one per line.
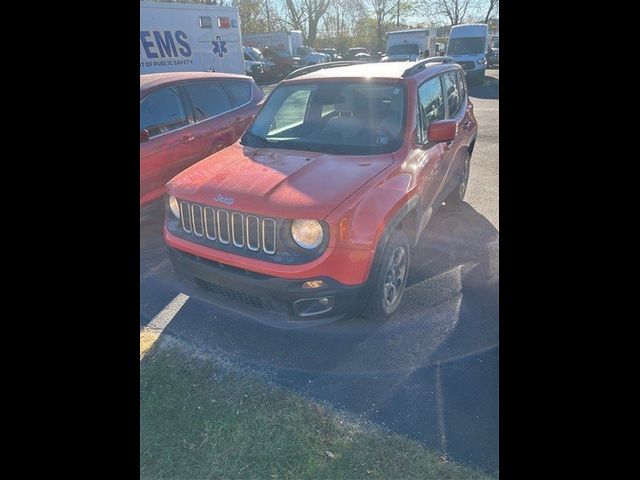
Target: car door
pixel 215 128
pixel 458 109
pixel 429 158
pixel 168 143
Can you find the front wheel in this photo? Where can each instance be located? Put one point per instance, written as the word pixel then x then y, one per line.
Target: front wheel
pixel 388 287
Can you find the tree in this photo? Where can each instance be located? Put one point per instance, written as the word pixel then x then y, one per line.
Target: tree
pixel 305 15
pixel 385 11
pixel 340 20
pixel 252 15
pixel 492 9
pixel 453 10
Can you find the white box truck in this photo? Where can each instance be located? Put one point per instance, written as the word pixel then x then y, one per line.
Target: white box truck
pixel 413 44
pixel 290 42
pixel 186 37
pixel 467 45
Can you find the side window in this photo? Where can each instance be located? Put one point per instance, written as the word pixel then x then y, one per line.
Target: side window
pixel 162 111
pixel 292 111
pixel 452 92
pixel 248 58
pixel 240 92
pixel 463 86
pixel 431 103
pixel 209 99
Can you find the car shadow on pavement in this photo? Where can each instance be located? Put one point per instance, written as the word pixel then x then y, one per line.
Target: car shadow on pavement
pixel 489 90
pixel 430 372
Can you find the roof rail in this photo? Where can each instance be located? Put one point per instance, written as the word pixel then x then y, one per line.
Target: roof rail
pixel 421 65
pixel 320 66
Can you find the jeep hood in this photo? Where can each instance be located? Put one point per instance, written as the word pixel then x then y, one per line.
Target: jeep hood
pixel 276 182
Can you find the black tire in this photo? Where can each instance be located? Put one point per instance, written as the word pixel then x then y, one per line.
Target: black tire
pixel 457 196
pixel 388 286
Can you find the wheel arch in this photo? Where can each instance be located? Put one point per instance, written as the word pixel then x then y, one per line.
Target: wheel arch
pixel 405 219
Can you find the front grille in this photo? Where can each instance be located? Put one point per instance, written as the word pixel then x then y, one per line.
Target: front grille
pixel 467 65
pixel 229 228
pixel 231 295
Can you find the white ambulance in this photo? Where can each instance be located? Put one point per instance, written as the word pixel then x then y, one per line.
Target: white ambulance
pixel 186 37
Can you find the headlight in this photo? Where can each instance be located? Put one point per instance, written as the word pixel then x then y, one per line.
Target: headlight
pixel 307 233
pixel 173 205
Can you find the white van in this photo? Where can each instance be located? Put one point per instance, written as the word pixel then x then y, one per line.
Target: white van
pixel 189 37
pixel 468 45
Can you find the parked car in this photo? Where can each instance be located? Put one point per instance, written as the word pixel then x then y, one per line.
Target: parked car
pixel 252 68
pixel 285 63
pixel 358 53
pixel 186 116
pixel 291 42
pixel 334 56
pixel 493 55
pixel 310 56
pixel 315 211
pixel 252 54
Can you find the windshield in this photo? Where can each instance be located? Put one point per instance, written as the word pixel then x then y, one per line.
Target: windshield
pixel 466 46
pixel 403 50
pixel 350 118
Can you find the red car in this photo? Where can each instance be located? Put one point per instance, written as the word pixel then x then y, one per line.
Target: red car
pixel 186 116
pixel 314 212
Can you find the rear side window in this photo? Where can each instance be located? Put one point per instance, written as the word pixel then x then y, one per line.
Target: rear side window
pixel 431 104
pixel 162 111
pixel 452 92
pixel 240 92
pixel 463 86
pixel 209 99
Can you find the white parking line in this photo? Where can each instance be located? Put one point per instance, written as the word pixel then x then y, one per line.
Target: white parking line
pixel 152 330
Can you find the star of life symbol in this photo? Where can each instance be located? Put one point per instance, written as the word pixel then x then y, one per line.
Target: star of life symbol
pixel 219 47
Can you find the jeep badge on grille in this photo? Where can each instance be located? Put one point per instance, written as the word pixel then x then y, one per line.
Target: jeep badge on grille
pixel 226 200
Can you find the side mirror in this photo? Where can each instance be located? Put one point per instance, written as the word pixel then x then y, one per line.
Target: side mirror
pixel 144 135
pixel 442 131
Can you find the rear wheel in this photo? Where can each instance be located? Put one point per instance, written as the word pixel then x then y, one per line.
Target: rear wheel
pixel 388 287
pixel 456 197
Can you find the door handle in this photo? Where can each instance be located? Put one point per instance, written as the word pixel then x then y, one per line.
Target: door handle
pixel 187 138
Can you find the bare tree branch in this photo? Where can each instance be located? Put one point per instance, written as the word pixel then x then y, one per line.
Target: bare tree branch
pixel 493 4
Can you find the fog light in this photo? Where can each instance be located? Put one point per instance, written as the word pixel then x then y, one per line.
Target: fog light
pixel 308 307
pixel 314 284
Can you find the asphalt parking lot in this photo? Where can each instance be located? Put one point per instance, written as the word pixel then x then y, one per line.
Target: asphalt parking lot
pixel 431 372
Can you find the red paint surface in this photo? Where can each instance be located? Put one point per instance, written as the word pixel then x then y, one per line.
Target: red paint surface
pixel 164 156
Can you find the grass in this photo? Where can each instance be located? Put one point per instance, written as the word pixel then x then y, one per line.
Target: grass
pixel 198 423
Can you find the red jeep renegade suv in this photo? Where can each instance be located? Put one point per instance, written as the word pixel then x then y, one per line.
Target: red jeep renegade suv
pixel 313 213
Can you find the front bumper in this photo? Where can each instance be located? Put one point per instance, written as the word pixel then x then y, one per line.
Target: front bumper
pixel 279 302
